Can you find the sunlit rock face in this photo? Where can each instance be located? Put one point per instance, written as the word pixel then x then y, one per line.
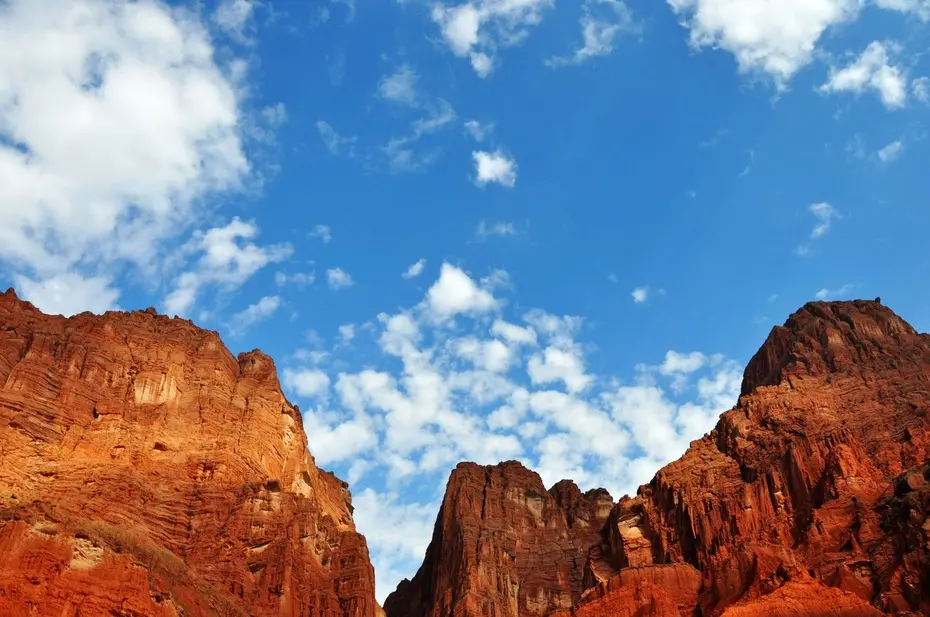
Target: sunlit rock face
pixel 147 471
pixel 810 497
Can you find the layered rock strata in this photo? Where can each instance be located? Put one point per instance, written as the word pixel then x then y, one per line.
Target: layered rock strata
pixel 147 471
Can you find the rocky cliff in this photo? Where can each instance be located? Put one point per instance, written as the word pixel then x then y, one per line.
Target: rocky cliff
pixel 810 497
pixel 147 471
pixel 504 546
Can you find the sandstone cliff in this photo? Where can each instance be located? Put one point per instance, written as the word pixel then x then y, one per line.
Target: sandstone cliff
pixel 810 497
pixel 147 471
pixel 504 546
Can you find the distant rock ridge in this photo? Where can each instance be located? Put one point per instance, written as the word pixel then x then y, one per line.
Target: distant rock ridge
pixel 810 497
pixel 147 471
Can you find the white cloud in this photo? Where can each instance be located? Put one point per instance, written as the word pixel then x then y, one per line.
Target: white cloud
pixel 830 294
pixel 455 292
pixel 478 131
pixel 233 17
pixel 891 152
pixel 920 8
pixel 921 89
pixel 555 364
pixel 323 232
pixel 493 355
pixel 307 383
pixel 776 38
pixel 477 28
pixel 640 294
pixel 398 532
pixel 825 215
pixel 677 363
pixel 476 386
pixel 298 279
pixel 227 260
pixel 415 270
pixel 495 167
pixel 500 228
pixel 68 294
pixel 338 145
pixel 602 22
pixel 339 279
pixel 399 151
pixel 347 332
pixel 514 334
pixel 400 86
pixel 164 120
pixel 261 310
pixel 871 71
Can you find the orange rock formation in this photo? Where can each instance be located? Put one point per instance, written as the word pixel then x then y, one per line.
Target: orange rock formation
pixel 144 470
pixel 810 497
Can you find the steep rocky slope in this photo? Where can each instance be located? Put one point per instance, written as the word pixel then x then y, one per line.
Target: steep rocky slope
pixel 503 545
pixel 144 470
pixel 810 497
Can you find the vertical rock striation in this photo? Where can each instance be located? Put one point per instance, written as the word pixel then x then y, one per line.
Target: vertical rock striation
pixel 810 497
pixel 147 471
pixel 504 546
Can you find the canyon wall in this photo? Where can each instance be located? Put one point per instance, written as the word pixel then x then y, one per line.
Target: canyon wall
pixel 147 471
pixel 810 497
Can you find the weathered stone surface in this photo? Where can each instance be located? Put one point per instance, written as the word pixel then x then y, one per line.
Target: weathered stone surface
pixel 504 546
pixel 810 497
pixel 147 471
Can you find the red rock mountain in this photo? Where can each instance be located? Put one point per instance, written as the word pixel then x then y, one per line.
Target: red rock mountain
pixel 810 497
pixel 145 471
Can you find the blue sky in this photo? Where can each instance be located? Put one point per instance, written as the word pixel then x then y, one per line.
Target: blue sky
pixel 535 229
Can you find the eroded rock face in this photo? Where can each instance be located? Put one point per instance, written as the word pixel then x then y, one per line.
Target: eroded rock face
pixel 504 546
pixel 809 497
pixel 147 471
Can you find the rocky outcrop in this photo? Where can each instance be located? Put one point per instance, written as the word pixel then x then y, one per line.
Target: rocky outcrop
pixel 147 471
pixel 809 497
pixel 504 546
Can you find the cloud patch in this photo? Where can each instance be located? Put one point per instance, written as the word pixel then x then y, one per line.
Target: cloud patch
pixel 494 167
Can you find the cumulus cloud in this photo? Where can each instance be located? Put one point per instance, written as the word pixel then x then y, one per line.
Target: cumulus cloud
pixel 478 385
pixel 455 292
pixel 337 278
pixel 494 167
pixel 261 310
pixel 774 38
pixel 476 29
pixel 69 293
pixel 872 70
pixel 414 270
pixel 602 22
pixel 640 294
pixel 306 382
pixel 227 258
pixel 163 116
